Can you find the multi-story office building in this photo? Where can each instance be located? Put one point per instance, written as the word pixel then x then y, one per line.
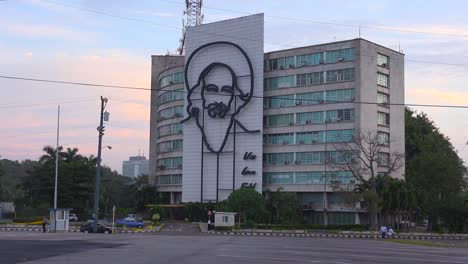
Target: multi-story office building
pixel 314 99
pixel 135 166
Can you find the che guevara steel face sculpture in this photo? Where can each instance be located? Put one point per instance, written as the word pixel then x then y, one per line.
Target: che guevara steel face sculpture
pixel 219 101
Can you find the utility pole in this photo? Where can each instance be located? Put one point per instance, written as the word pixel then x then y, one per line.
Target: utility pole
pixel 56 168
pixel 100 129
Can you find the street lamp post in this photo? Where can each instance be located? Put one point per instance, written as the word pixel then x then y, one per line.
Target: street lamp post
pixel 100 129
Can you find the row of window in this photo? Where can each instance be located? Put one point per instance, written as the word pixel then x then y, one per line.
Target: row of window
pixel 310 59
pixel 311 157
pixel 172 79
pixel 318 117
pixel 383 119
pixel 171 96
pixel 176 111
pixel 342 95
pixel 170 179
pixel 309 79
pixel 171 145
pixel 171 129
pixel 383 79
pixel 309 177
pixel 169 163
pixel 311 137
pixel 383 60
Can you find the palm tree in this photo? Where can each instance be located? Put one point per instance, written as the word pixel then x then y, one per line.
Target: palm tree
pixel 50 154
pixel 71 155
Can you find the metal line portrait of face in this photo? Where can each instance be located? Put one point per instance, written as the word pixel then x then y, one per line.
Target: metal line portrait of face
pixel 220 99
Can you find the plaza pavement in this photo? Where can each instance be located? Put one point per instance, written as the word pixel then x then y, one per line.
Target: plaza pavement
pixel 182 244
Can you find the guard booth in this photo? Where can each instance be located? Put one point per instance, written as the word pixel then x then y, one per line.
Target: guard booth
pixel 59 219
pixel 225 219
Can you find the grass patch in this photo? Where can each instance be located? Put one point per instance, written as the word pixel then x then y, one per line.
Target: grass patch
pixel 425 243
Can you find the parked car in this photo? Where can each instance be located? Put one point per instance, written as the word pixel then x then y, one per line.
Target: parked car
pixel 88 228
pixel 73 218
pixel 131 222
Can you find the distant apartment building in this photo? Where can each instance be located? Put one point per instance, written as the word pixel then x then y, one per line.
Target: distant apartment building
pixel 135 166
pixel 291 109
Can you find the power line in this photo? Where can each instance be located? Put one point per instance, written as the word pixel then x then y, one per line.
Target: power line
pixel 230 36
pixel 258 97
pixel 330 23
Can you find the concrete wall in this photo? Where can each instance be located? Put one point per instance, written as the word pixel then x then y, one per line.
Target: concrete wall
pixel 240 31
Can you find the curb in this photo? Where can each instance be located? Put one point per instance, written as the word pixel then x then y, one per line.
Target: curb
pixel 335 236
pixel 78 231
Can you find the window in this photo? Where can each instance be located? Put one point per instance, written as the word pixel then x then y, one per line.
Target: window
pixel 382 60
pixel 310 177
pixel 172 79
pixel 340 75
pixel 383 159
pixel 278 120
pixel 309 118
pixel 278 158
pixel 383 119
pixel 341 218
pixel 335 136
pixel 309 98
pixel 384 138
pixel 278 139
pixel 171 96
pixel 309 78
pixel 382 79
pixel 279 82
pixel 172 145
pixel 340 55
pixel 382 98
pixel 170 179
pixel 279 101
pixel 343 95
pixel 344 177
pixel 278 177
pixel 310 137
pixel 315 157
pixel 171 112
pixel 224 219
pixel 336 157
pixel 169 163
pixel 309 59
pixel 340 115
pixel 281 63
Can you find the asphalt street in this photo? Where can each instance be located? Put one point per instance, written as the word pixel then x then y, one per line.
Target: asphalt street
pixel 166 248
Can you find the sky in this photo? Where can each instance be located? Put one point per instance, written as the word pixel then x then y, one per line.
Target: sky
pixel 46 40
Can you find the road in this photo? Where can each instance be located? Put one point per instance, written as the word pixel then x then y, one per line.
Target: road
pixel 170 247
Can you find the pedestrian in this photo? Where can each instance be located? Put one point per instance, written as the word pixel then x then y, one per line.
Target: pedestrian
pixel 383 231
pixel 44 223
pixel 390 232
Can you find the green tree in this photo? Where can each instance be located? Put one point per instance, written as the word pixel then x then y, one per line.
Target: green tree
pixel 248 203
pixel 282 205
pixel 433 166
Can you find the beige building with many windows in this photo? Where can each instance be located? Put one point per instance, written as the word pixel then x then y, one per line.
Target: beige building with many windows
pixel 314 99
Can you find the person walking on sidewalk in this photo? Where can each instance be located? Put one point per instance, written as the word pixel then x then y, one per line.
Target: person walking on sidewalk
pixel 44 223
pixel 383 231
pixel 391 232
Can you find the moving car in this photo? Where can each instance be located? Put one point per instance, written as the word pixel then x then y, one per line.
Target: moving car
pixel 88 228
pixel 73 218
pixel 131 222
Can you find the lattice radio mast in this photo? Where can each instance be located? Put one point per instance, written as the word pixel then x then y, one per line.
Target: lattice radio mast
pixel 193 17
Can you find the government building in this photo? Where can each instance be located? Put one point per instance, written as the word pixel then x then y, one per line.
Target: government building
pixel 227 115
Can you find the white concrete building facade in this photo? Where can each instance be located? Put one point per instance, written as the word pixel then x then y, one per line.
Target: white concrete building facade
pixel 272 123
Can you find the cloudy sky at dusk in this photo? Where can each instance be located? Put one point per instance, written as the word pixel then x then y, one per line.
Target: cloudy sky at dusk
pixel 42 39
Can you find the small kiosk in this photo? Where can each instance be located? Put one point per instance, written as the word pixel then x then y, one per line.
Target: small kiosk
pixel 224 219
pixel 59 219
